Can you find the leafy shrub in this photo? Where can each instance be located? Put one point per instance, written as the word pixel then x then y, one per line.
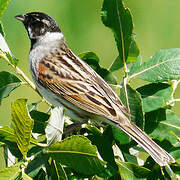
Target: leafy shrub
pixel 91 152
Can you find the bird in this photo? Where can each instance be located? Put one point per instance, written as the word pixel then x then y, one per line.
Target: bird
pixel 64 79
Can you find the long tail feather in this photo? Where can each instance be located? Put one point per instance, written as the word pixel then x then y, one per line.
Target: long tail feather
pixel 157 153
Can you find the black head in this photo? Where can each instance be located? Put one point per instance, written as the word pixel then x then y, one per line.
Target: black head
pixel 38 24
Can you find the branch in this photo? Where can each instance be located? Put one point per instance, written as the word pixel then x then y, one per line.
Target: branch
pixel 4 49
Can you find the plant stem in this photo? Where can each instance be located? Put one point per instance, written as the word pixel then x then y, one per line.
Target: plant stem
pixel 125 81
pixel 19 71
pixel 23 76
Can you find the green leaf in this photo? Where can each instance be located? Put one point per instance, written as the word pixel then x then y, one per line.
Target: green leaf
pixel 22 124
pixel 116 65
pixel 127 156
pixel 133 52
pixel 42 174
pixel 39 121
pixel 108 76
pixel 77 153
pixel 160 123
pixel 7 134
pixel 163 66
pixel 155 96
pixel 139 171
pixel 115 16
pixel 88 56
pixel 37 163
pixel 11 172
pixel 120 137
pixel 3 6
pixel 2 29
pixel 8 82
pixel 14 61
pixel 176 168
pixel 132 57
pixel 132 171
pixel 92 60
pixel 58 171
pixel 8 137
pixel 135 105
pixel 153 118
pixel 134 66
pixel 26 177
pixel 103 142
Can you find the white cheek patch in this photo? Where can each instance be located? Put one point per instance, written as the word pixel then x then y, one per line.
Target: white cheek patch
pixel 42 30
pixel 30 33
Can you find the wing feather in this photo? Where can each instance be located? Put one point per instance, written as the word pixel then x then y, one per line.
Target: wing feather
pixel 72 79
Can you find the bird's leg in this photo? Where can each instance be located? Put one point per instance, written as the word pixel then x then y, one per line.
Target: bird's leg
pixel 73 127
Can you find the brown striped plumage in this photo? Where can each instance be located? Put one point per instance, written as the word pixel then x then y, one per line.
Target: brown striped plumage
pixel 64 79
pixel 78 84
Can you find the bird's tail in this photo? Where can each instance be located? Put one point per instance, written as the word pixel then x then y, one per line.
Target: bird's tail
pixel 157 153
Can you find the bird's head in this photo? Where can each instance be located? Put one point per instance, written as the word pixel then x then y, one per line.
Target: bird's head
pixel 38 24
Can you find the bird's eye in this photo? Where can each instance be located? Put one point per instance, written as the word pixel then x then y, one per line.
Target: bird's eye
pixel 35 29
pixel 37 25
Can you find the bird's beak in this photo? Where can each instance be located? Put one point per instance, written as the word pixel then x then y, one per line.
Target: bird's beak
pixel 20 17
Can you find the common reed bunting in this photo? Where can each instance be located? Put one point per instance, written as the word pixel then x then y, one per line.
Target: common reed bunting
pixel 66 80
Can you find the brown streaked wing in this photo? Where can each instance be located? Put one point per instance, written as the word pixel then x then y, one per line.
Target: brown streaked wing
pixel 69 80
pixel 99 83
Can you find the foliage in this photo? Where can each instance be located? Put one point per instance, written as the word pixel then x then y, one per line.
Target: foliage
pixel 3 6
pixel 92 152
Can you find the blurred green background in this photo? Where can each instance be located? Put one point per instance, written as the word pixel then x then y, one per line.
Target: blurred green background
pixel 156 25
